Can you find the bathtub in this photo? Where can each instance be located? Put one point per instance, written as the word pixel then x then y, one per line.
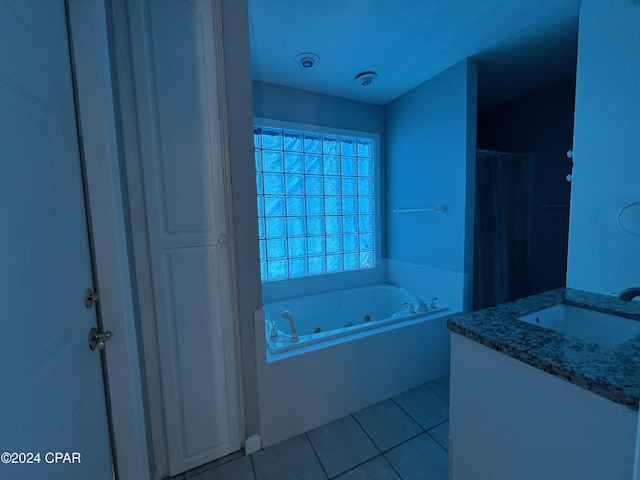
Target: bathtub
pixel 370 347
pixel 338 314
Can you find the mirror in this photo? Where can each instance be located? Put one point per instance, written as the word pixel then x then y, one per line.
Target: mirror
pixel 373 53
pixel 520 47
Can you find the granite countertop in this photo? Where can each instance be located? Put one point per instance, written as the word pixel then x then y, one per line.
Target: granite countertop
pixel 613 373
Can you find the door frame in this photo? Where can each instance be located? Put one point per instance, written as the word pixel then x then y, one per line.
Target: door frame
pixel 89 42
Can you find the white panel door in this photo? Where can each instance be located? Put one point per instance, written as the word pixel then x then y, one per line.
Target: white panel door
pixel 176 62
pixel 52 399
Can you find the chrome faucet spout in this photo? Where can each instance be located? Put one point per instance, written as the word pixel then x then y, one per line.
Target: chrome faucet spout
pixel 410 307
pixel 416 302
pixel 629 294
pixel 287 315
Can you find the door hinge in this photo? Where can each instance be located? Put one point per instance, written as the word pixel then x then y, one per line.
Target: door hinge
pixel 90 298
pixel 97 338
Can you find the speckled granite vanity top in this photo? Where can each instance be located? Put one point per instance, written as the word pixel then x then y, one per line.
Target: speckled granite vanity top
pixel 613 373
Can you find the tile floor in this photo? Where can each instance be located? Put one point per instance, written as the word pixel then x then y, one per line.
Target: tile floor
pixel 401 438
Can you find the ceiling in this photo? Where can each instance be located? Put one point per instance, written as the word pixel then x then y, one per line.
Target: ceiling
pixel 520 46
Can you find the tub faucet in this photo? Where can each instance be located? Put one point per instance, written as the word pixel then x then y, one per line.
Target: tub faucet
pixel 629 294
pixel 416 302
pixel 410 307
pixel 288 316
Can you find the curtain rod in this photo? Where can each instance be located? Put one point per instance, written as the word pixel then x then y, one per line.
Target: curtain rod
pixel 479 150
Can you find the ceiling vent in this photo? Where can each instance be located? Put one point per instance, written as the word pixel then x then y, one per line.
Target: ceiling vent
pixel 365 79
pixel 307 59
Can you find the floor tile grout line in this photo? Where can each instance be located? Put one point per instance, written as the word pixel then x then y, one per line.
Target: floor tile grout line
pixel 424 430
pixel 367 434
pixel 437 442
pixel 361 463
pixel 253 467
pixel 437 425
pixel 356 466
pixel 382 452
pixel 410 416
pixel 367 461
pixel 392 467
pixel 437 393
pixel 404 442
pixel 324 470
pixel 415 420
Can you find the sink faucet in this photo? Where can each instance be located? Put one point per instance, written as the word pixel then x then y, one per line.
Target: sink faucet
pixel 629 294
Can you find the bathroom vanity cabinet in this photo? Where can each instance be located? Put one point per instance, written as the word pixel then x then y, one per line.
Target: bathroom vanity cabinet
pixel 531 403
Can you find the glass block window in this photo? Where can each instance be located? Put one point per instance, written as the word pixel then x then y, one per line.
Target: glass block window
pixel 315 202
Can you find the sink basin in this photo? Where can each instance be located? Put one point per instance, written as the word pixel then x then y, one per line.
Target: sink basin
pixel 589 325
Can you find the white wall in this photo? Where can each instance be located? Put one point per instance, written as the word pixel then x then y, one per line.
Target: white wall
pixel 277 102
pixel 602 258
pixel 431 142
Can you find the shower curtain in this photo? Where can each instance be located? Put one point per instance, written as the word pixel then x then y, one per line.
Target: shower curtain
pixel 502 220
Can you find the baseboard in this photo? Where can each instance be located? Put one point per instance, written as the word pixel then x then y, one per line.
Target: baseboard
pixel 252 444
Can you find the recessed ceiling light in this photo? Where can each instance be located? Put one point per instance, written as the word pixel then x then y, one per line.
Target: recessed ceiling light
pixel 365 79
pixel 307 59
